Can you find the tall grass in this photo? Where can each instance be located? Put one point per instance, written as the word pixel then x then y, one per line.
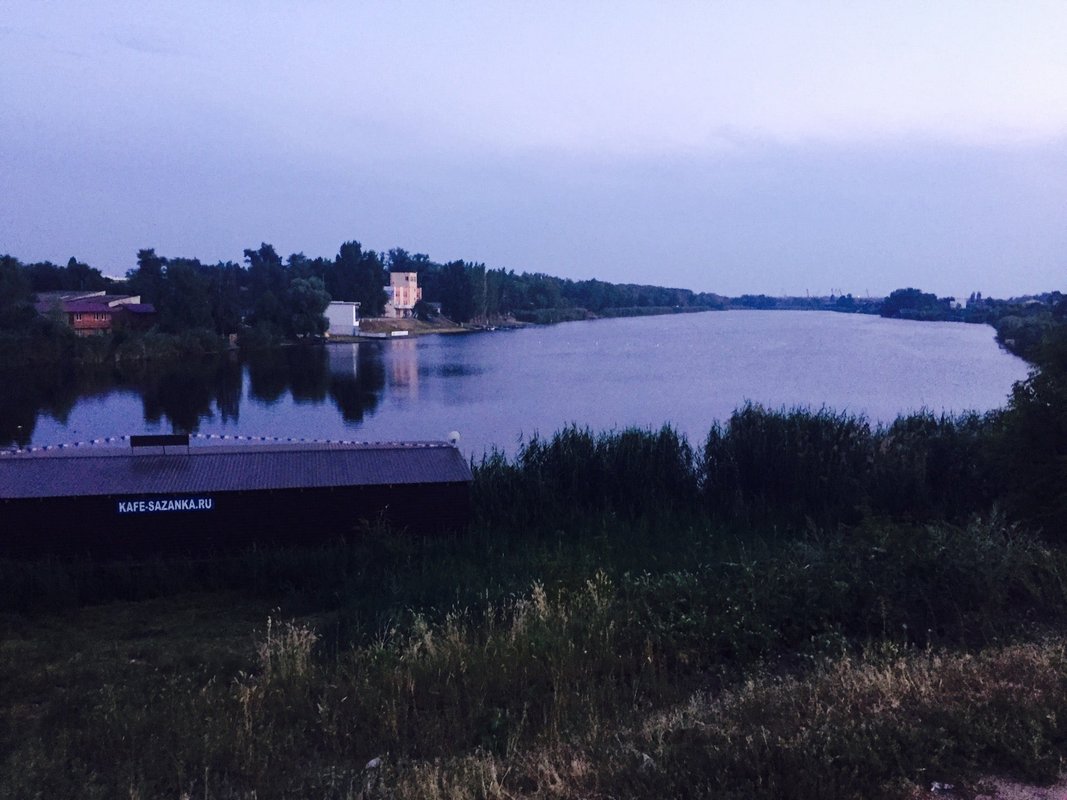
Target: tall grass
pixel 546 668
pixel 829 467
pixel 797 465
pixel 886 724
pixel 629 472
pixel 789 468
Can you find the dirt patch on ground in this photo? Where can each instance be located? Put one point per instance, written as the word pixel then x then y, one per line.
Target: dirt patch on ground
pixel 1009 790
pixel 996 789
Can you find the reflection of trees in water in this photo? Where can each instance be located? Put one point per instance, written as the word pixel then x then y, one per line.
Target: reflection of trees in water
pixel 25 394
pixel 185 393
pixel 188 392
pixel 309 377
pixel 299 371
pixel 351 375
pixel 357 378
pixel 229 381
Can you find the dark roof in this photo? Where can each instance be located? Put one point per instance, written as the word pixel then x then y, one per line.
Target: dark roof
pixel 94 303
pixel 88 304
pixel 60 295
pixel 115 471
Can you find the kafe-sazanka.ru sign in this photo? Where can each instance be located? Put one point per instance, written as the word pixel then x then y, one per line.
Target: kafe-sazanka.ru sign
pixel 176 504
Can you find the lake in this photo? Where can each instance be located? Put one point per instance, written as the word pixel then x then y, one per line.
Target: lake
pixel 497 387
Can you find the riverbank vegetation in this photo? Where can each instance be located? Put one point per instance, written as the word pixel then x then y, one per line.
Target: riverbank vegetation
pixel 269 299
pixel 803 605
pixel 1021 323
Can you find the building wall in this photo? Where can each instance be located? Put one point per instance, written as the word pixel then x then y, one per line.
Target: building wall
pixel 86 323
pixel 405 293
pixel 343 318
pixel 235 520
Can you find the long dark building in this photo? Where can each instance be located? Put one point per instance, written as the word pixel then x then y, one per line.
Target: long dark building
pixel 164 495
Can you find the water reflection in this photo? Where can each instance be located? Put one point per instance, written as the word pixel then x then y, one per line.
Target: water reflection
pixel 404 369
pixel 356 378
pixel 186 394
pixel 27 393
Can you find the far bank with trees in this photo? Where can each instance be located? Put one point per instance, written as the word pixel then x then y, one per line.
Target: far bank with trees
pixel 268 300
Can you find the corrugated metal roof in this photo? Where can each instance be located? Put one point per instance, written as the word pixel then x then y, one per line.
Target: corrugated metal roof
pixel 114 471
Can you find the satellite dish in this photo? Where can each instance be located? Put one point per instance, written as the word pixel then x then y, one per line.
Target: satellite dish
pixel 453 438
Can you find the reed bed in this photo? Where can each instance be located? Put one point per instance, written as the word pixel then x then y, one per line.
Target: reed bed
pixel 792 468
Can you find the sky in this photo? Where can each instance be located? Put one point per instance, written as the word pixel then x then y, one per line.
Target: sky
pixel 732 147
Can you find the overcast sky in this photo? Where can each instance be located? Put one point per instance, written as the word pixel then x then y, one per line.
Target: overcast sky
pixel 777 147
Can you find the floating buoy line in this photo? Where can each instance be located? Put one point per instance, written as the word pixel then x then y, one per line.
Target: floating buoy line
pixel 218 437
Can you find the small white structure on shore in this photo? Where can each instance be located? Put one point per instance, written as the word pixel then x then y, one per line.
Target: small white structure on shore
pixel 343 317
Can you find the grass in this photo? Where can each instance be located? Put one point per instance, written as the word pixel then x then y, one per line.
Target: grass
pixel 871 726
pixel 229 695
pixel 625 617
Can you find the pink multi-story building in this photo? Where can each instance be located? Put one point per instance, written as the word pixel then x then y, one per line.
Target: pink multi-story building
pixel 403 293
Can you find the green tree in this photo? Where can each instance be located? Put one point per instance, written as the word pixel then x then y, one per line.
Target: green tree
pixel 225 282
pixel 147 279
pixel 267 285
pixel 457 298
pixel 915 304
pixel 185 297
pixel 307 299
pixel 82 277
pixel 358 276
pixel 46 276
pixel 1034 447
pixel 16 310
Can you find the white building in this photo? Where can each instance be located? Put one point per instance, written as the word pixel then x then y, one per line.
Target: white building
pixel 343 317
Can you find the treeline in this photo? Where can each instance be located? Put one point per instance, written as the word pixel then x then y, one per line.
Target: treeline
pixel 1022 323
pixel 285 298
pixel 269 296
pixel 473 292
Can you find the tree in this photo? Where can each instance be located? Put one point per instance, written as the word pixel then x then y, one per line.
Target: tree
pixel 358 276
pixel 423 311
pixel 147 279
pixel 1034 446
pixel 267 284
pixel 46 276
pixel 915 304
pixel 225 282
pixel 82 277
pixel 400 260
pixel 457 300
pixel 16 311
pixel 185 297
pixel 307 299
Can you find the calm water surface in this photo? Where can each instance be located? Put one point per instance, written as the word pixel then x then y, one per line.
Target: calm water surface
pixel 495 388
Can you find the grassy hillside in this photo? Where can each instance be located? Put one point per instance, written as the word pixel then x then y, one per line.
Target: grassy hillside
pixel 805 606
